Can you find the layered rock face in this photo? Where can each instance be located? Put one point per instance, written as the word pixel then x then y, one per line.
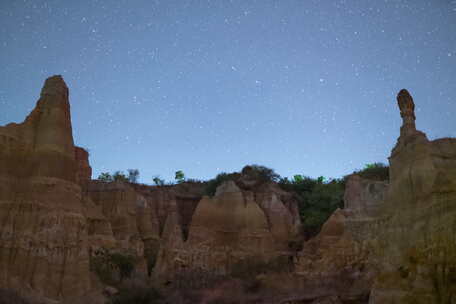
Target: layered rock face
pixel 334 266
pixel 84 171
pixel 392 243
pixel 417 248
pixel 43 233
pixel 227 232
pixel 52 216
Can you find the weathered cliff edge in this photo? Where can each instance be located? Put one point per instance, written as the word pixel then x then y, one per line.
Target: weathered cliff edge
pixel 43 236
pixel 54 218
pixel 415 250
pixel 392 243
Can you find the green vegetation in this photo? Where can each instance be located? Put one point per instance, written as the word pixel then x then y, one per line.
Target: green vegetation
pixel 211 185
pixel 261 173
pixel 179 176
pixel 133 175
pixel 317 199
pixel 374 171
pixel 158 181
pixel 119 176
pixel 105 177
pixel 112 267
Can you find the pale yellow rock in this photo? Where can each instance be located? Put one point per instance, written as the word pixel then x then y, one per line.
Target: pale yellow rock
pixel 43 233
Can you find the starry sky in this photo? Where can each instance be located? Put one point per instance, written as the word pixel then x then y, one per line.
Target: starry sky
pixel 209 86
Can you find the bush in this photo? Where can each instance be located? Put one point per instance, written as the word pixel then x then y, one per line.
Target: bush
pixel 261 173
pixel 317 200
pixel 255 172
pixel 179 176
pixel 212 184
pixel 105 177
pixel 119 176
pixel 158 181
pixel 375 171
pixel 133 175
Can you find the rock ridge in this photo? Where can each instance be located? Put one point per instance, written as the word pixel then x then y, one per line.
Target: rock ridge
pixel 393 242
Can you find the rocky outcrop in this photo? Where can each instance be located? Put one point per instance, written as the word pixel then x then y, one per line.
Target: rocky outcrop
pixel 54 217
pixel 84 171
pixel 393 242
pixel 129 216
pixel 227 232
pixel 334 265
pixel 43 144
pixel 43 232
pixel 50 225
pixel 416 248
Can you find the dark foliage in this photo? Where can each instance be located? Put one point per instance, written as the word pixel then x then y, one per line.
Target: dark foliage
pixel 317 200
pixel 119 176
pixel 212 184
pixel 179 176
pixel 254 172
pixel 261 173
pixel 105 177
pixel 133 175
pixel 158 181
pixel 375 171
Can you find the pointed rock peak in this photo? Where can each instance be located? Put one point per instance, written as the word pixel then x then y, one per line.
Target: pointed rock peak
pixel 55 86
pixel 407 107
pixel 227 187
pixel 405 103
pixel 404 93
pixel 409 133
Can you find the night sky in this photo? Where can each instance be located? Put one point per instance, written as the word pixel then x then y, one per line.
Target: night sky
pixel 303 87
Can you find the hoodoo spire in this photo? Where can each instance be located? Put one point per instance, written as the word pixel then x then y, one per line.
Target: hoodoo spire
pixel 407 107
pixel 409 133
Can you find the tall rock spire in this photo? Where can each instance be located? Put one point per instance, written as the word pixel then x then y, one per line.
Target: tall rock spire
pixel 409 133
pixel 407 107
pixel 55 86
pixel 44 141
pixel 54 130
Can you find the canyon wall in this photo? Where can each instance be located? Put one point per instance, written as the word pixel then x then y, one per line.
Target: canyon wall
pixel 393 242
pixel 54 218
pixel 43 232
pixel 226 231
pixel 415 252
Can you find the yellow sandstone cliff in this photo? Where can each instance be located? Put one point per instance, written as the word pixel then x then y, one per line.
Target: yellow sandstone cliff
pixel 393 242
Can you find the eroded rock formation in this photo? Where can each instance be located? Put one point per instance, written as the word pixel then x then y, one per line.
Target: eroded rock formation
pixel 43 232
pixel 393 242
pixel 417 248
pixel 226 231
